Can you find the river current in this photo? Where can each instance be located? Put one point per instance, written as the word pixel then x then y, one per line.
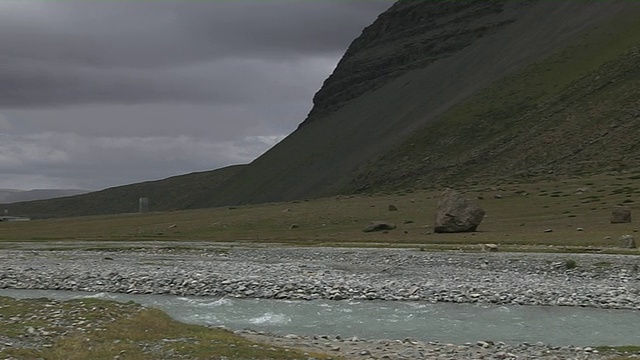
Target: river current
pixel 444 322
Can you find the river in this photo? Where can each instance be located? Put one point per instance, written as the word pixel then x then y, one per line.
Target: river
pixel 444 322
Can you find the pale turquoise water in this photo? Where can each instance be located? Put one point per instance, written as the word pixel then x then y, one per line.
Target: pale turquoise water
pixel 455 323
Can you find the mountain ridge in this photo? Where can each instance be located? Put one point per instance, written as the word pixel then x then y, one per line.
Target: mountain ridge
pixel 13 195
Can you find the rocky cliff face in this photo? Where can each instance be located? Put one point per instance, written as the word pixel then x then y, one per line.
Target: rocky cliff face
pixel 410 35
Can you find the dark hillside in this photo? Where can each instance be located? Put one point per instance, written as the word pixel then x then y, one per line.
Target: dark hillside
pixel 410 35
pixel 575 113
pixel 174 193
pixel 347 131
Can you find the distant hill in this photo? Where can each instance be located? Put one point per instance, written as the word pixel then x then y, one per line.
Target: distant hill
pixel 441 93
pixel 173 193
pixel 11 195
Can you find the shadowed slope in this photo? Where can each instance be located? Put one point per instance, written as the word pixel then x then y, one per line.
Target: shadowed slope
pixel 341 138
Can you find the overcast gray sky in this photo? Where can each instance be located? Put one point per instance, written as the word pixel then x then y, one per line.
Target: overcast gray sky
pixel 96 94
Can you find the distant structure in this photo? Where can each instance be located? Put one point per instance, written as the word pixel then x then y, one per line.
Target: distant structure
pixel 143 205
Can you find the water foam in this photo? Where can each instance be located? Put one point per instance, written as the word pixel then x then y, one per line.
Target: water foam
pixel 270 319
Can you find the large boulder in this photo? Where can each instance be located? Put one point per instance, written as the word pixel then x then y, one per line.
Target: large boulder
pixel 621 215
pixel 456 214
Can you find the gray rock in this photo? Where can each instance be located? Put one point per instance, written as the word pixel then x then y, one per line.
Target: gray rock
pixel 457 214
pixel 627 242
pixel 490 247
pixel 379 226
pixel 621 215
pixel 393 207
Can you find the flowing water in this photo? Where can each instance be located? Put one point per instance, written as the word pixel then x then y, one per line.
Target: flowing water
pixel 455 323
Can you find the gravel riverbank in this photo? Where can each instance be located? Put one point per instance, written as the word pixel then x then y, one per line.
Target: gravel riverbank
pixel 602 281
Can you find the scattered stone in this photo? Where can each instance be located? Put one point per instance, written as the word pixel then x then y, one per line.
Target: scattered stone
pixel 621 215
pixel 490 247
pixel 548 230
pixel 294 226
pixel 627 242
pixel 456 214
pixel 393 207
pixel 334 273
pixel 579 229
pixel 173 226
pixel 379 226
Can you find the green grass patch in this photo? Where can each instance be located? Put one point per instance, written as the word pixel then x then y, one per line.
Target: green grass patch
pixel 95 329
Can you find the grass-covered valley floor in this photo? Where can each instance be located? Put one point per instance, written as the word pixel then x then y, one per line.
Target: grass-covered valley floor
pixel 576 210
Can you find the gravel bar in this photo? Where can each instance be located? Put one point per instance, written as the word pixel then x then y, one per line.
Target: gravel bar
pixel 597 280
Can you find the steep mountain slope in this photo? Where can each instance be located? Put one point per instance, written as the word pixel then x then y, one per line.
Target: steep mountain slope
pixel 574 113
pixel 416 62
pixel 174 193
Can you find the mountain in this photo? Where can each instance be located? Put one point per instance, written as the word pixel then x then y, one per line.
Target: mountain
pixel 174 193
pixel 440 93
pixel 11 195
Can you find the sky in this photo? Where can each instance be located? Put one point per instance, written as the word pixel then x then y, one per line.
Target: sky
pixel 95 94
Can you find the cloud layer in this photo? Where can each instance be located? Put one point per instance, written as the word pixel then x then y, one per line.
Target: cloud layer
pixel 96 94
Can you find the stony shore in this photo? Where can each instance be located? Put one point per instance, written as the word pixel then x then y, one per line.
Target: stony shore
pixel 603 281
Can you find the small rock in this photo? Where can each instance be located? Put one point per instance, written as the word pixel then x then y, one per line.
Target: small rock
pixel 548 230
pixel 393 207
pixel 621 215
pixel 627 242
pixel 490 247
pixel 379 226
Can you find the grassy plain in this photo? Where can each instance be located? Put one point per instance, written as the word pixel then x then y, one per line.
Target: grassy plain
pixel 519 217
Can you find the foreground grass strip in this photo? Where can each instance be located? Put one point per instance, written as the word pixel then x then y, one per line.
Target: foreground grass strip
pixel 620 352
pixel 95 329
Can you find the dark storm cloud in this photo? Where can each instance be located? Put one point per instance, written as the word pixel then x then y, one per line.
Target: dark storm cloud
pixel 66 53
pixel 102 93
